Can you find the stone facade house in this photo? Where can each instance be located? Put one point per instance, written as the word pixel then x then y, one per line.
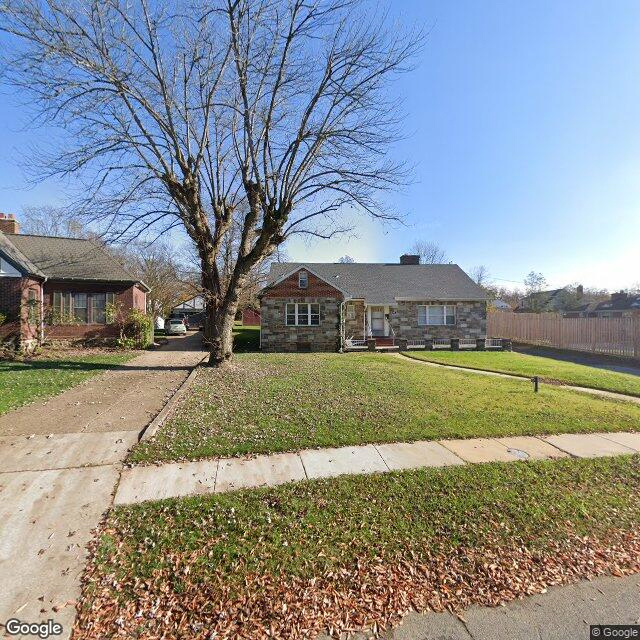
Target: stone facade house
pixel 60 288
pixel 323 306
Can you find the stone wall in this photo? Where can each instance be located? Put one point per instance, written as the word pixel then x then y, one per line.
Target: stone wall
pixel 354 328
pixel 471 321
pixel 275 335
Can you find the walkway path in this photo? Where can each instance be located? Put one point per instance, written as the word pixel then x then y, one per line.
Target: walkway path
pixel 594 392
pixel 59 462
pixel 142 483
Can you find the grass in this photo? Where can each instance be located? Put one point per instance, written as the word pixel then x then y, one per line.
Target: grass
pixel 245 338
pixel 528 365
pixel 26 381
pixel 265 403
pixel 292 530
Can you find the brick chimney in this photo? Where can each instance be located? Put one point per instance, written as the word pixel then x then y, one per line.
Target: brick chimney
pixel 409 259
pixel 8 223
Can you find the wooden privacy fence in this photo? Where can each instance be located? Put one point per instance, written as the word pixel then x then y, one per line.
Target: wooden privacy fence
pixel 614 336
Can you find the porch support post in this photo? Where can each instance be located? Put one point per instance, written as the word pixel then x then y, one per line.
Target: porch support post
pixel 403 344
pixel 371 344
pixel 455 344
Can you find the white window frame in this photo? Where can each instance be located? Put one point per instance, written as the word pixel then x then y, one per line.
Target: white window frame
pixel 351 311
pixel 449 309
pixel 303 280
pixel 301 309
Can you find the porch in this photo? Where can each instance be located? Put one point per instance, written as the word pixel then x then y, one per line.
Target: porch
pixel 391 343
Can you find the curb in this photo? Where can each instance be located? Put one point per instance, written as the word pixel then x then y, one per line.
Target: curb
pixel 152 428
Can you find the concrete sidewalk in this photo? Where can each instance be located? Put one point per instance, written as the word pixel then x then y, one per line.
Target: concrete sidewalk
pixel 177 479
pixel 564 613
pixel 59 462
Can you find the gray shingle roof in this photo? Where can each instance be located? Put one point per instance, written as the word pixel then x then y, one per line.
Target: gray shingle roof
pixel 65 258
pixel 382 283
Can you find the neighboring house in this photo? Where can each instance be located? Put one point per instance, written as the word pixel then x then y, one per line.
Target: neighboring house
pixel 501 305
pixel 250 318
pixel 60 288
pixel 620 305
pixel 317 306
pixel 554 300
pixel 189 307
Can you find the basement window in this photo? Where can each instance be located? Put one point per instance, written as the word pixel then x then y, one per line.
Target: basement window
pixel 303 279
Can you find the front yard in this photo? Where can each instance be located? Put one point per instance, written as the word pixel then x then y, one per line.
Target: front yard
pixel 33 379
pixel 358 551
pixel 548 369
pixel 285 402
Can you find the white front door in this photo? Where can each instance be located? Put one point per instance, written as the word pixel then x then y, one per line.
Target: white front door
pixel 377 321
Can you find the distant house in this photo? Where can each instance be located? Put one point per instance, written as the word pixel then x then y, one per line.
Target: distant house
pixel 190 306
pixel 320 306
pixel 501 305
pixel 250 317
pixel 554 300
pixel 620 305
pixel 60 288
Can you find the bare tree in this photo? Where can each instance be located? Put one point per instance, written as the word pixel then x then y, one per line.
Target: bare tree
pixel 480 275
pixel 46 220
pixel 429 252
pixel 346 260
pixel 269 116
pixel 534 282
pixel 156 265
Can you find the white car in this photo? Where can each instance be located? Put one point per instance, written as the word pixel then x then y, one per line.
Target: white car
pixel 175 327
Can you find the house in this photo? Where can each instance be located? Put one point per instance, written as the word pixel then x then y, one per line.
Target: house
pixel 60 288
pixel 620 305
pixel 318 306
pixel 250 318
pixel 552 301
pixel 501 305
pixel 190 306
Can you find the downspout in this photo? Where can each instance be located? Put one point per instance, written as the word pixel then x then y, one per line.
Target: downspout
pixel 42 310
pixel 342 326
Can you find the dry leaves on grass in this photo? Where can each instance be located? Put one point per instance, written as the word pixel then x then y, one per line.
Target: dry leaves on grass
pixel 373 594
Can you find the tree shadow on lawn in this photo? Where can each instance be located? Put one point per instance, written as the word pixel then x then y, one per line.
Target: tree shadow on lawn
pixel 9 366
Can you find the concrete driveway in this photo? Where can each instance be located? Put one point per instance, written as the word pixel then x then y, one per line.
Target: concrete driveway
pixel 59 463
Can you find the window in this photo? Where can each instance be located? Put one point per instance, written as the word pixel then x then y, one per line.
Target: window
pixel 80 307
pixel 436 314
pixel 303 279
pixel 98 308
pixel 303 313
pixel 80 310
pixel 33 306
pixel 351 312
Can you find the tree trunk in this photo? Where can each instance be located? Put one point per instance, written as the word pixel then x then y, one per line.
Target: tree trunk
pixel 219 333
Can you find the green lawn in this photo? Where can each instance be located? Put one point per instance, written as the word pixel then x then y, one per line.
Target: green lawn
pixel 24 382
pixel 449 536
pixel 264 403
pixel 246 338
pixel 526 365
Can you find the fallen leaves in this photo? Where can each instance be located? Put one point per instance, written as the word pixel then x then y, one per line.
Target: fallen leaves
pixel 371 594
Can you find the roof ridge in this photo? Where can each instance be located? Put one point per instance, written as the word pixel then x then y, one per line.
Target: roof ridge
pixel 41 235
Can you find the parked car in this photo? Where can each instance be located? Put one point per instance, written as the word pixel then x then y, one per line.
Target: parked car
pixel 175 327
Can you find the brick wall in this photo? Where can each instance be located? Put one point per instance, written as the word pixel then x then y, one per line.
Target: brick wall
pixel 21 325
pixel 471 321
pixel 128 296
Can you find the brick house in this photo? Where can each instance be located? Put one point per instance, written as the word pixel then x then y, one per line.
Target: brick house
pixel 59 288
pixel 320 306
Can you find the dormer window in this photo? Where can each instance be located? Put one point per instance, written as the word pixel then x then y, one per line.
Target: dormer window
pixel 303 279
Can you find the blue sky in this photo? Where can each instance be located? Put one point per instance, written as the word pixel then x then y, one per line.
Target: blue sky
pixel 523 123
